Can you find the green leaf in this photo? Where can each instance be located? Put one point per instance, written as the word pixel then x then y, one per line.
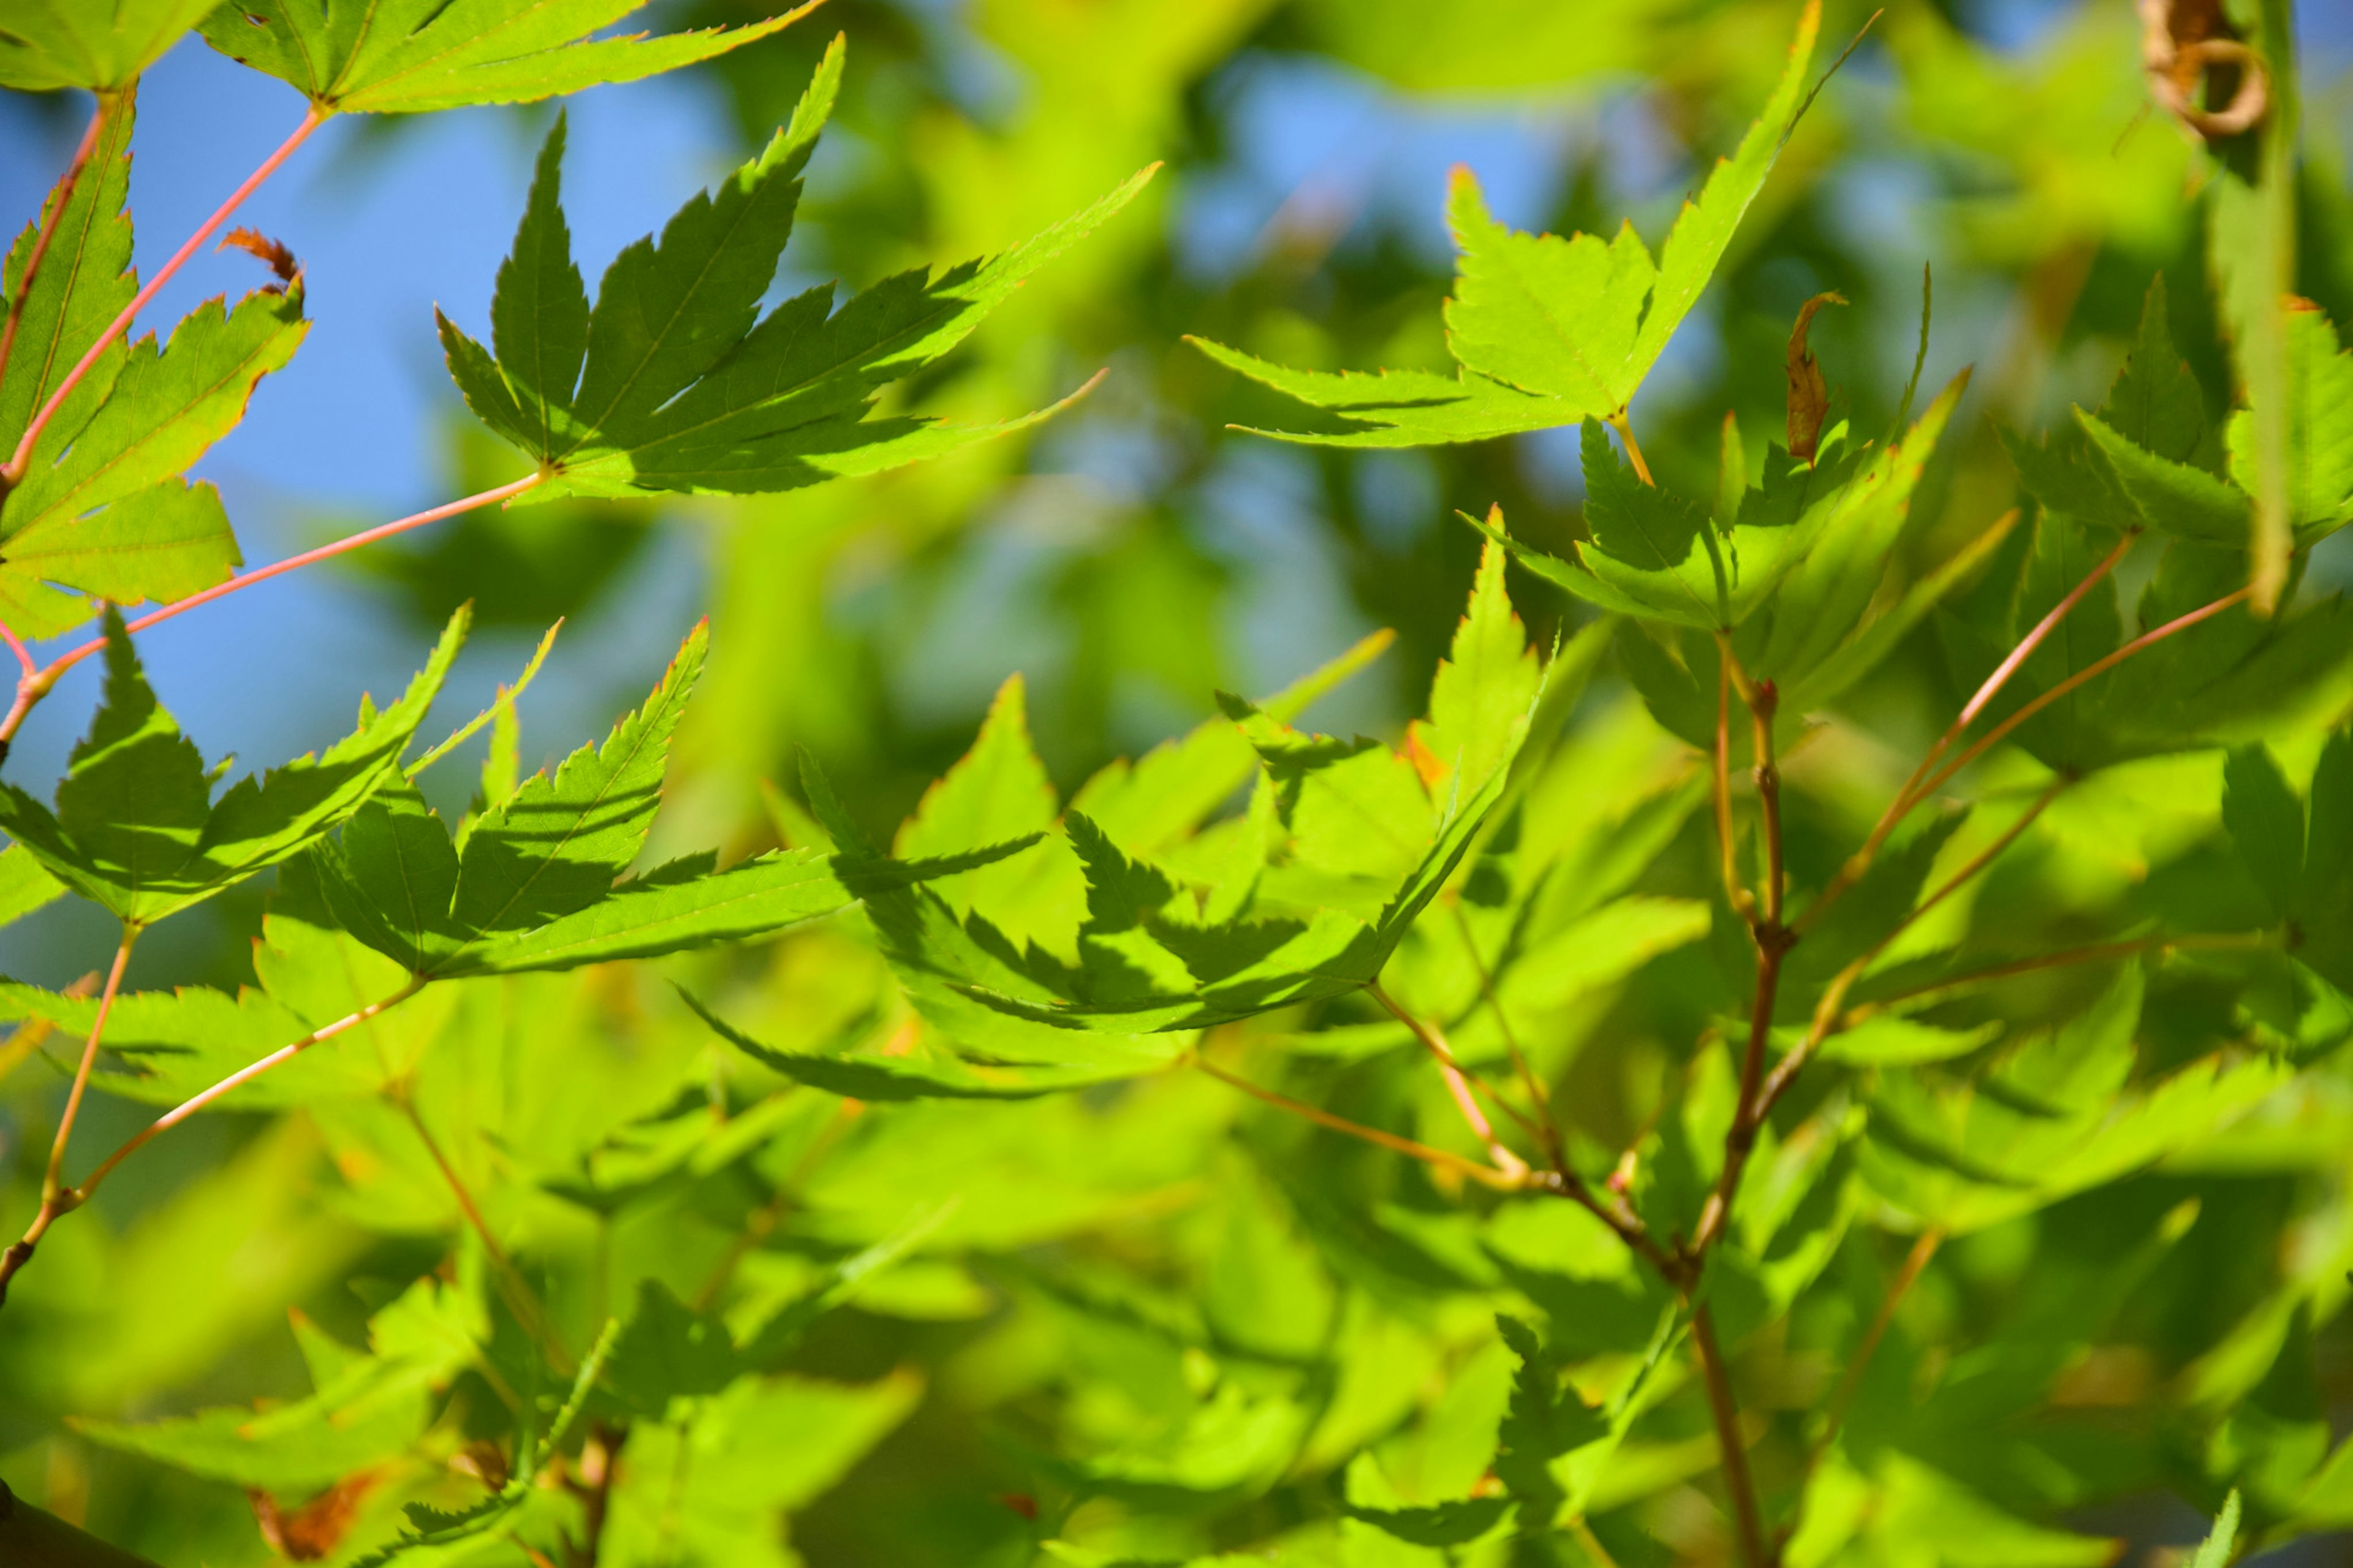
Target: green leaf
pixel 996 792
pixel 1644 542
pixel 25 885
pixel 539 314
pixel 431 1526
pixel 1485 688
pixel 2214 1552
pixel 1834 617
pixel 2319 399
pixel 2155 402
pixel 669 1352
pixel 1551 316
pixel 365 1409
pixel 85 279
pixel 99 45
pixel 557 845
pixel 402 56
pixel 2170 496
pixel 2251 251
pixel 534 881
pixel 100 512
pixel 1544 1420
pixel 1371 837
pixel 897 1077
pixel 135 827
pixel 673 908
pixel 1456 1522
pixel 2266 821
pixel 1548 331
pixel 674 381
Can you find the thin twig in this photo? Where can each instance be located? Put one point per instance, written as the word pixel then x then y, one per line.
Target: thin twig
pixel 1834 1413
pixel 1764 702
pixel 19 460
pixel 1914 792
pixel 1747 1526
pixel 34 687
pixel 2092 953
pixel 53 1180
pixel 239 1079
pixel 57 1198
pixel 1828 1019
pixel 521 1298
pixel 1732 891
pixel 1485 1175
pixel 1547 1130
pixel 1772 941
pixel 1995 736
pixel 1458 1083
pixel 49 232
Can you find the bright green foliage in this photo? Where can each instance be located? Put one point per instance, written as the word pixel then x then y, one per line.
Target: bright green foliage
pixel 1804 577
pixel 1302 899
pixel 366 1407
pixel 136 828
pixel 673 381
pixel 100 512
pixel 2319 384
pixel 536 882
pixel 405 57
pixel 2298 868
pixel 1548 330
pixel 101 45
pixel 2150 459
pixel 84 280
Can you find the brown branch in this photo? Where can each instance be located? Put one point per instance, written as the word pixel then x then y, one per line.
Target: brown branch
pixel 600 1461
pixel 1747 1526
pixel 1773 942
pixel 1722 783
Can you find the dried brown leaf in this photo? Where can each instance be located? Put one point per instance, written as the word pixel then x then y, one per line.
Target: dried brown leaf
pixel 1810 396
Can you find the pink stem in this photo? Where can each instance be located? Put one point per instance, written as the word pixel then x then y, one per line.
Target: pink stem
pixel 23 456
pixel 53 1184
pixel 66 660
pixel 16 647
pixel 2098 668
pixel 237 1079
pixel 2009 667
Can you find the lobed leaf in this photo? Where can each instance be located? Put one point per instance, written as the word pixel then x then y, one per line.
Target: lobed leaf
pixel 406 56
pixel 135 828
pixel 1546 330
pixel 674 382
pixel 98 45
